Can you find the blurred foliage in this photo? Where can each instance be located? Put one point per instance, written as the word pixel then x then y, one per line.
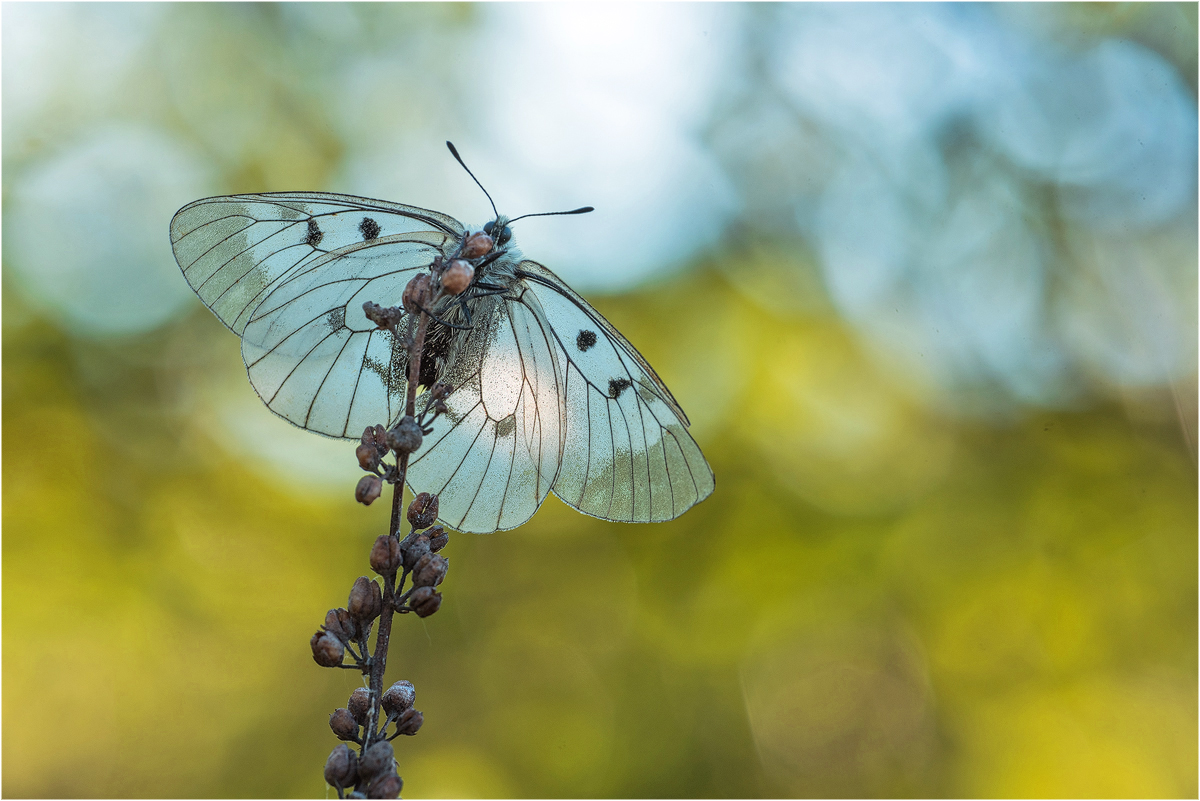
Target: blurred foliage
pixel 1017 620
pixel 883 597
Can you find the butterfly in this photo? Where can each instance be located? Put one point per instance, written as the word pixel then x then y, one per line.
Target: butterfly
pixel 547 395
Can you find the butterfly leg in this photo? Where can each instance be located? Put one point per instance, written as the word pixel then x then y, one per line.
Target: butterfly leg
pixel 439 320
pixel 466 310
pixel 491 257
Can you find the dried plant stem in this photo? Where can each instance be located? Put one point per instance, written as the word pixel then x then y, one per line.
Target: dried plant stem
pixel 372 772
pixel 379 660
pixel 410 409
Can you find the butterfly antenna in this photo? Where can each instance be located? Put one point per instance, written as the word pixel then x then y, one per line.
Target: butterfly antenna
pixel 583 210
pixel 473 178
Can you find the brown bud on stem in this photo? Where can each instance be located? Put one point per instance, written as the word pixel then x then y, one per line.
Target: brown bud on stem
pixel 368 457
pixel 437 538
pixel 414 546
pixel 327 649
pixel 343 725
pixel 430 570
pixel 386 787
pixel 376 436
pixel 423 511
pixel 399 697
pixel 379 760
pixel 383 317
pixel 425 601
pixel 366 600
pixel 457 277
pixel 477 245
pixel 385 555
pixel 360 705
pixel 409 722
pixel 334 626
pixel 341 769
pixel 347 623
pixel 405 437
pixel 416 294
pixel 368 489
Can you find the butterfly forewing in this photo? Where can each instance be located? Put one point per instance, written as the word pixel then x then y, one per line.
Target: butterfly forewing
pixel 627 454
pixel 232 249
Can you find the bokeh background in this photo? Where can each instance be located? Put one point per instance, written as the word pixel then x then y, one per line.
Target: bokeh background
pixel 924 278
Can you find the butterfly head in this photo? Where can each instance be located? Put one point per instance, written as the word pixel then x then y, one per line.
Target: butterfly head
pixel 498 230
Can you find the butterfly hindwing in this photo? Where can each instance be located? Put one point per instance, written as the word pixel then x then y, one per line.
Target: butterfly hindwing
pixel 233 249
pixel 627 454
pixel 311 353
pixel 495 456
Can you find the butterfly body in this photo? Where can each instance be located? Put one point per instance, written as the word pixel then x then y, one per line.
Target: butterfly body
pixel 547 395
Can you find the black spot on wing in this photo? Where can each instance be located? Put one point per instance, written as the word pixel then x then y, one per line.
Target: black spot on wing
pixel 585 340
pixel 336 319
pixel 618 385
pixel 369 229
pixel 505 426
pixel 314 233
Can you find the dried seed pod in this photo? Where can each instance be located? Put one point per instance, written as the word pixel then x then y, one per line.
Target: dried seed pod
pixel 327 649
pixel 477 245
pixel 379 760
pixel 334 626
pixel 360 705
pixel 405 437
pixel 416 294
pixel 368 489
pixel 388 317
pixel 425 601
pixel 347 623
pixel 385 555
pixel 457 277
pixel 366 600
pixel 441 391
pixel 437 538
pixel 415 545
pixel 399 697
pixel 386 787
pixel 376 436
pixel 341 769
pixel 368 457
pixel 373 312
pixel 430 570
pixel 423 511
pixel 409 722
pixel 343 724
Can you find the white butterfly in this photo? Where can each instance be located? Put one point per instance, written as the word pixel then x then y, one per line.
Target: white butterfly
pixel 548 396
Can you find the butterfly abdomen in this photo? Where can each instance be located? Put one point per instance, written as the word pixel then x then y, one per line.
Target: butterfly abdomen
pixel 438 342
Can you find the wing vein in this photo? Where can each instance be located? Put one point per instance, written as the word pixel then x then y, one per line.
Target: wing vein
pixel 333 363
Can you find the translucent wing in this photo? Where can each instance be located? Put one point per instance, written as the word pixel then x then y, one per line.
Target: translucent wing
pixel 313 356
pixel 627 455
pixel 548 396
pixel 233 249
pixel 493 459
